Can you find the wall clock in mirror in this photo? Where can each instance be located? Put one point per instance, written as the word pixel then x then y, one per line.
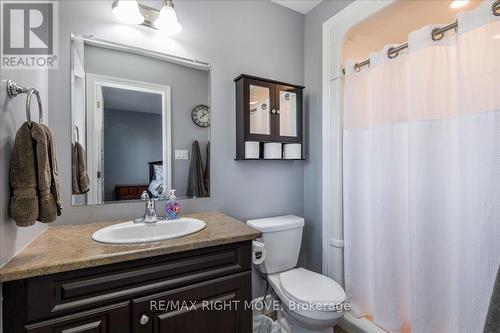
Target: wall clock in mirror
pixel 201 116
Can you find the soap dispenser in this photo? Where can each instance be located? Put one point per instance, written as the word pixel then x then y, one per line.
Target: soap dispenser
pixel 173 206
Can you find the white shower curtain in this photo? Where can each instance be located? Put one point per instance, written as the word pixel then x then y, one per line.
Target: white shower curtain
pixel 422 180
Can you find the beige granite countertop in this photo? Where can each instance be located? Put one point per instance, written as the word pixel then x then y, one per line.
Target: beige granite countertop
pixel 66 248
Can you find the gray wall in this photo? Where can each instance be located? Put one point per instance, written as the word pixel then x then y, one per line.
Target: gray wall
pixel 312 248
pixel 131 140
pixel 227 39
pixel 254 37
pixel 12 115
pixel 189 88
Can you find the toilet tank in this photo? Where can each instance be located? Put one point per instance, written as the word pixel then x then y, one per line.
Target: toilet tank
pixel 282 236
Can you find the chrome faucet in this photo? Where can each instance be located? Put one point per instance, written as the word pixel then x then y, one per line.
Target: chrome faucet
pixel 150 210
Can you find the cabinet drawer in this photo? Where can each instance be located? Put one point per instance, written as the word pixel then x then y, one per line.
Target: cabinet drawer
pixel 63 293
pixel 109 319
pixel 220 305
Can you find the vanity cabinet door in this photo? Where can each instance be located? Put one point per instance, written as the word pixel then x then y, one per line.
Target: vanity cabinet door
pixel 288 101
pixel 219 305
pixel 109 319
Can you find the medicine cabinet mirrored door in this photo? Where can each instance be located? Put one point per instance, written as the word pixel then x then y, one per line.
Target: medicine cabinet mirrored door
pixel 259 106
pixel 289 113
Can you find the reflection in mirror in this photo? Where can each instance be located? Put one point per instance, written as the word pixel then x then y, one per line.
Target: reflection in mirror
pixel 133 129
pixel 288 113
pixel 140 113
pixel 260 113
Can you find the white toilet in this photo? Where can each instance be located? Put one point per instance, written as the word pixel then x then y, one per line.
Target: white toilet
pixel 311 302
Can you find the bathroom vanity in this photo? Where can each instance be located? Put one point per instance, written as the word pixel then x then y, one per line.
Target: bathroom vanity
pixel 66 282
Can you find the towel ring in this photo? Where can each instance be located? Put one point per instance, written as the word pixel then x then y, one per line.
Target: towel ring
pixel 28 106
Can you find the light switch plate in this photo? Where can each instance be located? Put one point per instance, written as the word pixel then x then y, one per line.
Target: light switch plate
pixel 181 155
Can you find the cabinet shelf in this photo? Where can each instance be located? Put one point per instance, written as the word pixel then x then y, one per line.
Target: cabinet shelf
pixel 268 111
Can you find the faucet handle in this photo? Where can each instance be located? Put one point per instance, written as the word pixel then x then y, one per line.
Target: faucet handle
pixel 145 196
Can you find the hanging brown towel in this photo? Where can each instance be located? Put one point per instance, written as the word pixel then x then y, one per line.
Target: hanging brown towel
pixel 207 171
pixel 492 324
pixel 55 187
pixel 196 186
pixel 34 177
pixel 80 181
pixel 48 190
pixel 23 180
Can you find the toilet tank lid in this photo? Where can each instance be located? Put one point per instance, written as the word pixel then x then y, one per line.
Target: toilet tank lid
pixel 277 223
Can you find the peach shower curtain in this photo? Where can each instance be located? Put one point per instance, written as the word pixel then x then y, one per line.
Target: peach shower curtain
pixel 422 180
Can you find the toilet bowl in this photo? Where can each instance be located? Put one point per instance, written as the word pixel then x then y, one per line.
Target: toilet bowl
pixel 311 302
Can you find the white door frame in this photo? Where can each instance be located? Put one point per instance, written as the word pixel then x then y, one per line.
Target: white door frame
pixel 334 31
pixel 95 80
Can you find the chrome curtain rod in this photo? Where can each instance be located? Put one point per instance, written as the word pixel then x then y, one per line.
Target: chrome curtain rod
pixel 437 34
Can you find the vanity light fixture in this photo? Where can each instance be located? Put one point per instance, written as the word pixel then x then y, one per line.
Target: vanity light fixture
pixel 167 21
pixel 458 3
pixel 127 11
pixel 135 12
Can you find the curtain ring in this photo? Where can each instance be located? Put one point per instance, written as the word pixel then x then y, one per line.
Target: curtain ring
pixel 391 54
pixel 28 106
pixel 496 8
pixel 437 34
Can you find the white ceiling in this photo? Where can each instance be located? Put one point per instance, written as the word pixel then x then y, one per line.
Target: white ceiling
pixel 301 6
pixel 131 100
pixel 393 24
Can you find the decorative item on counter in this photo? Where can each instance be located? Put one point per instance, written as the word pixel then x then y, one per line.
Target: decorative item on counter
pixel 173 206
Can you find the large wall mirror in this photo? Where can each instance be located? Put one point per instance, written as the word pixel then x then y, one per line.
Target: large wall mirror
pixel 140 122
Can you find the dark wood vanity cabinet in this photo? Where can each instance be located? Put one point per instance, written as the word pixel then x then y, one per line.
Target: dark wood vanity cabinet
pixel 204 290
pixel 267 111
pixel 113 318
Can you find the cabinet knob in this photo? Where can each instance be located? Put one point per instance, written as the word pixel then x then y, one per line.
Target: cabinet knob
pixel 273 111
pixel 277 111
pixel 144 319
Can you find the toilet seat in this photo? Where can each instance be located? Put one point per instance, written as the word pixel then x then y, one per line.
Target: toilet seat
pixel 303 286
pixel 308 316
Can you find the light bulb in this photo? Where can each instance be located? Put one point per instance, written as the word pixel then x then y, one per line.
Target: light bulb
pixel 458 3
pixel 127 11
pixel 167 21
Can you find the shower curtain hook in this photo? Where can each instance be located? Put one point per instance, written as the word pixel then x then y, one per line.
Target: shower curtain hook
pixel 496 8
pixel 391 54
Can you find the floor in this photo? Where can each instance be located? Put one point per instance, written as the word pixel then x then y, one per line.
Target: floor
pixel 338 329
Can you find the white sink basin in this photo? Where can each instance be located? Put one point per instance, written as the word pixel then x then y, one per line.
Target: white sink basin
pixel 130 232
